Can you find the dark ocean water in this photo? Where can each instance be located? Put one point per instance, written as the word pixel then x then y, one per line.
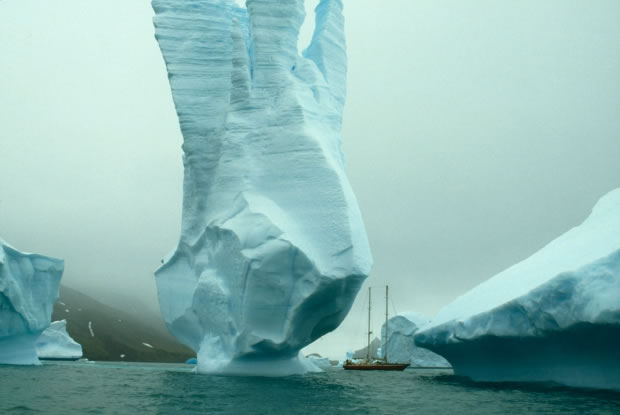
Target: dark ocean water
pixel 120 388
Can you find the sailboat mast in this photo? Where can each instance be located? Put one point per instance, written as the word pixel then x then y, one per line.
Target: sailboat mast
pixel 368 346
pixel 386 325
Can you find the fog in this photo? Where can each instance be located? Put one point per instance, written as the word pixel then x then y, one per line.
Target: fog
pixel 474 134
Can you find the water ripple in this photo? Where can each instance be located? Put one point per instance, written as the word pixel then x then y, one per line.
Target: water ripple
pixel 110 388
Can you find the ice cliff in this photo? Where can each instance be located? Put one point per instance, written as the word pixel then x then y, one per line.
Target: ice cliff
pixel 28 289
pixel 272 249
pixel 55 343
pixel 401 346
pixel 553 317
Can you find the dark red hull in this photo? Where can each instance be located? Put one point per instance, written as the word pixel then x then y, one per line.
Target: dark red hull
pixel 376 366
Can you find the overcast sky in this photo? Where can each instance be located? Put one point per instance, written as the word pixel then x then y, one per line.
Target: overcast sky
pixel 475 132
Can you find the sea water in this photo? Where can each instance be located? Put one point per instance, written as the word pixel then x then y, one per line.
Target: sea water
pixel 138 388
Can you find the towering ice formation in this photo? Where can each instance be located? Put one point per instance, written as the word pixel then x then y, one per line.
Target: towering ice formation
pixel 272 249
pixel 28 289
pixel 552 317
pixel 55 343
pixel 401 346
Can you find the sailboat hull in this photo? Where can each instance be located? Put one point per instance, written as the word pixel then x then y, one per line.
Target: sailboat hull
pixel 376 366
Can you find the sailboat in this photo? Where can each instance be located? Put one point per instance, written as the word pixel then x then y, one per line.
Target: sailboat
pixel 377 364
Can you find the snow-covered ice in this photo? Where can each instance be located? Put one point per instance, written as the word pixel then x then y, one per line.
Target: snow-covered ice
pixel 56 343
pixel 28 288
pixel 273 249
pixel 401 346
pixel 553 317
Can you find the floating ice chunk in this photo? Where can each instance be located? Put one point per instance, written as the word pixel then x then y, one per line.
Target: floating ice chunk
pixel 273 249
pixel 552 317
pixel 28 288
pixel 56 343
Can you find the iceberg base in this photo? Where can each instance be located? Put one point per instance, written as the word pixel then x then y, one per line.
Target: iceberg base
pixel 253 366
pixel 19 350
pixel 584 355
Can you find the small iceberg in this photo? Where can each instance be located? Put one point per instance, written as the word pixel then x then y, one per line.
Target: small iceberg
pixel 56 344
pixel 401 347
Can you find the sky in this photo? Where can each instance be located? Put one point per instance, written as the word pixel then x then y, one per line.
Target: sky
pixel 474 134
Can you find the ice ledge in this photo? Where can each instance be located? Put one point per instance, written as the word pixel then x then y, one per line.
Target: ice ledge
pixel 585 355
pixel 553 317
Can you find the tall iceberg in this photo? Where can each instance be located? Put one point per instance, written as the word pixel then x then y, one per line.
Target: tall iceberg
pixel 553 317
pixel 28 289
pixel 273 249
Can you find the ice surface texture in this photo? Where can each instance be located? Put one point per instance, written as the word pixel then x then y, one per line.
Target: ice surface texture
pixel 401 346
pixel 28 289
pixel 272 249
pixel 553 317
pixel 55 343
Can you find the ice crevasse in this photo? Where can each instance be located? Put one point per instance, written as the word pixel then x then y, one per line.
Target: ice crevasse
pixel 553 317
pixel 273 249
pixel 28 289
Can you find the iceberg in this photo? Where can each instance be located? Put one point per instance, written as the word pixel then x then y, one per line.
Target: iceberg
pixel 373 352
pixel 56 344
pixel 401 346
pixel 28 288
pixel 273 249
pixel 554 317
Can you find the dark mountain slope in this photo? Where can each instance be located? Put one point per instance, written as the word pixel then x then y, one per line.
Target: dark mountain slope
pixel 117 336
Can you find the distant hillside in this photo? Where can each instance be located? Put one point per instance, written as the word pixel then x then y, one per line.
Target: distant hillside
pixel 117 336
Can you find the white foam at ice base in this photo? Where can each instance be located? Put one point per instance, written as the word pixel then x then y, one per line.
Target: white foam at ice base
pixel 269 367
pixel 28 288
pixel 273 249
pixel 56 343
